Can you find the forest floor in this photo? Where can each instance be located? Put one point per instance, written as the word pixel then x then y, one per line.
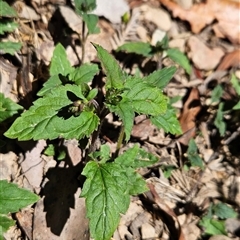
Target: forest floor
pixel 192 202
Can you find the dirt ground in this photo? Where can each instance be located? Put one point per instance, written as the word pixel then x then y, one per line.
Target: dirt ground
pixel 208 33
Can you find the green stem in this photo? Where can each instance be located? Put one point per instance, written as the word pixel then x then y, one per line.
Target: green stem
pixel 120 141
pixel 83 40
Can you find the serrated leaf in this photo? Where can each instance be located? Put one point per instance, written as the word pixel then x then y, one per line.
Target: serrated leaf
pixel 115 75
pixel 235 84
pixel 161 77
pixel 135 182
pixel 136 157
pixel 219 122
pixel 50 150
pixel 163 44
pixel 5 224
pixel 106 196
pixel 41 121
pixel 10 47
pixel 192 154
pixel 223 211
pixel 6 10
pixel 167 170
pixel 13 198
pixel 144 98
pixel 126 114
pixel 91 20
pixel 167 121
pixel 180 58
pixel 83 6
pixel 84 73
pixel 7 26
pixel 50 84
pixel 59 62
pixel 213 226
pixel 8 108
pixel 217 93
pixel 103 155
pixel 140 48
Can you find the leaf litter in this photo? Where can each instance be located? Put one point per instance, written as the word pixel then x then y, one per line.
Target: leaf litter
pixel 175 186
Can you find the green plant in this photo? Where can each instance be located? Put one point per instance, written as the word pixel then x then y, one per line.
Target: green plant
pixel 67 108
pixel 82 8
pixel 217 93
pixel 161 49
pixel 12 198
pixel 214 222
pixel 8 25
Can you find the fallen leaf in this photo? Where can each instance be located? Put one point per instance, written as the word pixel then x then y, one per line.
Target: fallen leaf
pixel 226 12
pixel 25 220
pixel 164 207
pixel 187 119
pixel 157 16
pixel 143 130
pixel 231 59
pixel 111 10
pixel 203 57
pixel 33 164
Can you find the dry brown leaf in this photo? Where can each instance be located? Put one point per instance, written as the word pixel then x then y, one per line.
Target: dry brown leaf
pixel 166 209
pixel 143 130
pixel 226 12
pixel 231 59
pixel 25 220
pixel 190 110
pixel 203 57
pixel 33 164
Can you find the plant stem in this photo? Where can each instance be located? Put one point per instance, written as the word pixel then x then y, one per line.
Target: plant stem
pixel 83 41
pixel 120 141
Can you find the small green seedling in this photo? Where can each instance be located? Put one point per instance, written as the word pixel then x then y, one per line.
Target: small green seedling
pixel 67 108
pixel 8 25
pixel 147 50
pixel 214 222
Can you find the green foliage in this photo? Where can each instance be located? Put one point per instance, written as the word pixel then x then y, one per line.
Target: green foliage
pixel 8 108
pixel 91 20
pixel 167 121
pixel 223 211
pixel 83 7
pixel 147 50
pixel 5 224
pixel 179 58
pixel 115 75
pixel 84 73
pixel 213 226
pixel 219 122
pixel 10 47
pixel 235 84
pixel 7 25
pixel 6 10
pixel 192 154
pixel 59 62
pixel 217 93
pixel 48 117
pixel 12 199
pixel 66 108
pixel 108 188
pixel 140 48
pixel 212 223
pixel 161 77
